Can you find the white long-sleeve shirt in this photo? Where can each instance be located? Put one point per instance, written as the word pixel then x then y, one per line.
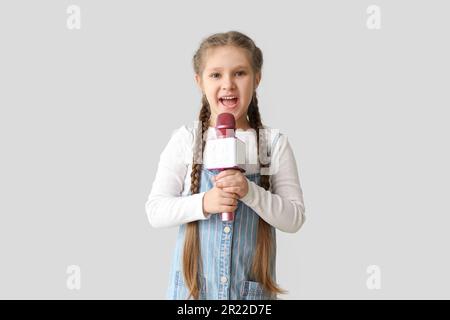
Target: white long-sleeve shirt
pixel 169 203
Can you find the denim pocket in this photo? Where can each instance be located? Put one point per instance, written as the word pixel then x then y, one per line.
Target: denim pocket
pixel 180 290
pixel 251 290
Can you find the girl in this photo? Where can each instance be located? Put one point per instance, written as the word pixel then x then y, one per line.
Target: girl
pixel 231 259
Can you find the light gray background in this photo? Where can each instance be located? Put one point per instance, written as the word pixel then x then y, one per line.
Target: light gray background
pixel 86 113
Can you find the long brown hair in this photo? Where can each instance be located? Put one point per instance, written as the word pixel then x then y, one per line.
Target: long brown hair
pixel 261 271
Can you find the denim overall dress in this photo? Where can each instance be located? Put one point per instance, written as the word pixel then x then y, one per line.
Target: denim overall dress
pixel 227 249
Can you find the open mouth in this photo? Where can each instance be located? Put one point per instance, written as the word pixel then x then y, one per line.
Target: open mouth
pixel 229 102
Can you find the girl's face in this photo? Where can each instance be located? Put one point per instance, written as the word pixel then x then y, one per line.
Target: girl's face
pixel 228 73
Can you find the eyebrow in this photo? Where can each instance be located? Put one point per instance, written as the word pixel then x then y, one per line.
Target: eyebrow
pixel 237 67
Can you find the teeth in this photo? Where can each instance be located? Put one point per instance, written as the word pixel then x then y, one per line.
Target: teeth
pixel 228 98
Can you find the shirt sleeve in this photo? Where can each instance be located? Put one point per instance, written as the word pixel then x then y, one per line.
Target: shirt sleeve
pixel 283 206
pixel 166 206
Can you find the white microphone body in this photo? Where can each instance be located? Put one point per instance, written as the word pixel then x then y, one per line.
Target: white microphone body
pixel 223 154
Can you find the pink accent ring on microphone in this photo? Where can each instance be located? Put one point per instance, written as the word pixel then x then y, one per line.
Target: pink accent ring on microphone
pixel 227 216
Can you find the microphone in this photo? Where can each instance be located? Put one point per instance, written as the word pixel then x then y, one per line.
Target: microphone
pixel 225 152
pixel 225 127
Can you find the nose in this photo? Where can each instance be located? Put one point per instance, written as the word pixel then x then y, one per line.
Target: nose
pixel 227 83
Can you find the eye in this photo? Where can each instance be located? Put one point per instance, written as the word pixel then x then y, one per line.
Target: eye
pixel 216 75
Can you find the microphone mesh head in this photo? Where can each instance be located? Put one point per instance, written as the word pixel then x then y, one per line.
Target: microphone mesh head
pixel 225 125
pixel 225 121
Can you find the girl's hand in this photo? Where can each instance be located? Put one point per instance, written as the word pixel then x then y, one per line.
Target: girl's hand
pixel 216 200
pixel 232 181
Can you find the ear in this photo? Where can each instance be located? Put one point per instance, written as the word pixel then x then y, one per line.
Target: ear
pixel 198 80
pixel 257 79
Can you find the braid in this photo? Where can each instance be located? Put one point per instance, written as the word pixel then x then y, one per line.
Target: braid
pixel 265 243
pixel 203 117
pixel 191 250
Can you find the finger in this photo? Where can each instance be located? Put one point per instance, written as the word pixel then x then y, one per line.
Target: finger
pixel 229 201
pixel 231 173
pixel 229 195
pixel 226 182
pixel 228 208
pixel 234 190
pixel 226 173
